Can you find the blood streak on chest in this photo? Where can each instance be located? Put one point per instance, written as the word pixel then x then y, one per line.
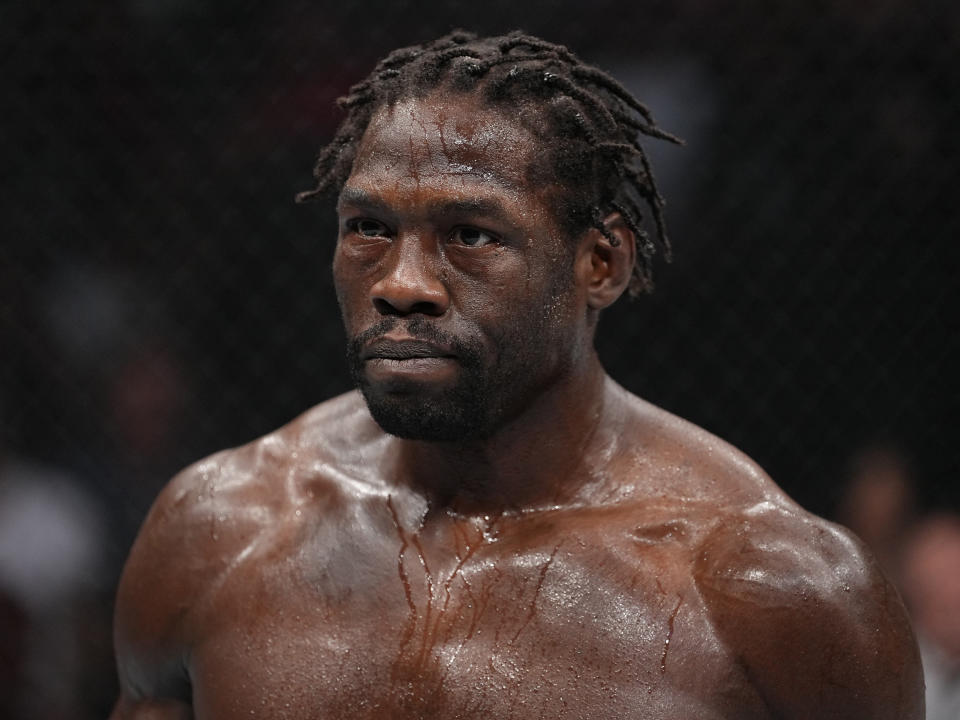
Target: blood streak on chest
pixel 558 625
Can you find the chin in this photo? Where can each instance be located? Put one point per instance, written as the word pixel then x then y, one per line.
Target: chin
pixel 430 419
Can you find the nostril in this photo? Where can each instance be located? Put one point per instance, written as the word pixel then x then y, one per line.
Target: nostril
pixel 385 308
pixel 426 308
pixel 423 307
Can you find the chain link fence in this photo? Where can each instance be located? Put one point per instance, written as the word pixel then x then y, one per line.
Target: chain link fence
pixel 161 296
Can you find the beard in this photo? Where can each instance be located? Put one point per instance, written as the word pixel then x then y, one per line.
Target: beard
pixel 490 390
pixel 459 412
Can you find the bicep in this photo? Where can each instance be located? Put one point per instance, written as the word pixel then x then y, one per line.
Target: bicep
pixel 172 572
pixel 155 596
pixel 127 709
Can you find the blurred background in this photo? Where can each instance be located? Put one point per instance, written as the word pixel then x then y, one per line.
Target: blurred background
pixel 161 297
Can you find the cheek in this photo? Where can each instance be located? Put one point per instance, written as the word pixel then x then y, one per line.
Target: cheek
pixel 542 316
pixel 540 296
pixel 350 283
pixel 559 300
pixel 489 285
pixel 355 260
pixel 339 284
pixel 556 311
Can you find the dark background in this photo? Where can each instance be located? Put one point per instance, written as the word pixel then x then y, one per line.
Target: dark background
pixel 161 296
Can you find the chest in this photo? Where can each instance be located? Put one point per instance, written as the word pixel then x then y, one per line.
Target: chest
pixel 565 628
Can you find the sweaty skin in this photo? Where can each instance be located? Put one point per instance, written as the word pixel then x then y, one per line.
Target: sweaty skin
pixel 574 552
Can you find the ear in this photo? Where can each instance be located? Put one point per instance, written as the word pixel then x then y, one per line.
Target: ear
pixel 604 268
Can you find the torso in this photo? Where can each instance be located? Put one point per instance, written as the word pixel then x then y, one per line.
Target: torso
pixel 340 606
pixel 294 581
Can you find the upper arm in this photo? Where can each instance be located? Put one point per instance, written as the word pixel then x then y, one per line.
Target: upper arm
pixel 817 628
pixel 156 592
pixel 185 547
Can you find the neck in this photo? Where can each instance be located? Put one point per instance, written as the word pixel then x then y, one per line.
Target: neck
pixel 547 456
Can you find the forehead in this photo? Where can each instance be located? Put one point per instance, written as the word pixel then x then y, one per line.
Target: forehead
pixel 449 137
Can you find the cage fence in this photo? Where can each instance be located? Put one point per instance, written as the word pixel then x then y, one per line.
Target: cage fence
pixel 162 297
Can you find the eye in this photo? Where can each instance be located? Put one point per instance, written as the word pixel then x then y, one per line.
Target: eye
pixel 368 228
pixel 472 237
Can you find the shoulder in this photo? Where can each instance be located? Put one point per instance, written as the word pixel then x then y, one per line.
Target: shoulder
pixel 210 518
pixel 798 601
pixel 816 626
pixel 663 453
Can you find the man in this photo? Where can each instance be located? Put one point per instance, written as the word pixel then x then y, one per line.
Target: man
pixel 493 528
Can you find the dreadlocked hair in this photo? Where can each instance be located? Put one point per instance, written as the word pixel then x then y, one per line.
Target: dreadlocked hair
pixel 590 123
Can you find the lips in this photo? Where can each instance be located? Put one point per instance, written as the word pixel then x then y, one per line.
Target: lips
pixel 408 364
pixel 405 349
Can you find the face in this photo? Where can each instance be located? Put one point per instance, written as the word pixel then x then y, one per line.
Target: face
pixel 457 289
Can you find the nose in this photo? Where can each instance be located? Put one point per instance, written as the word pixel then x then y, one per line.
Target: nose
pixel 410 282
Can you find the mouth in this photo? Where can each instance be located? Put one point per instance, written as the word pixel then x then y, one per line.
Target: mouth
pixel 398 364
pixel 406 349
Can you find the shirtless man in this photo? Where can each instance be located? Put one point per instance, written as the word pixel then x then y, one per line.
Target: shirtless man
pixel 493 528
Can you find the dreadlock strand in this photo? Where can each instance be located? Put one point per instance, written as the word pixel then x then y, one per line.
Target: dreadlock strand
pixel 610 84
pixel 632 217
pixel 536 44
pixel 656 202
pixel 596 216
pixel 578 93
pixel 353 99
pixel 639 177
pixel 493 62
pixel 451 54
pixel 616 148
pixel 323 175
pixel 399 58
pixel 644 127
pixel 461 36
pixel 603 80
pixel 655 132
pixel 588 132
pixel 641 276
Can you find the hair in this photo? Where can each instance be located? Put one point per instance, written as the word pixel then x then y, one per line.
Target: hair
pixel 590 123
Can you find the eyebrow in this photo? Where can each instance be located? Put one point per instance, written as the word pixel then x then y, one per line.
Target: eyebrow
pixel 489 207
pixel 356 196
